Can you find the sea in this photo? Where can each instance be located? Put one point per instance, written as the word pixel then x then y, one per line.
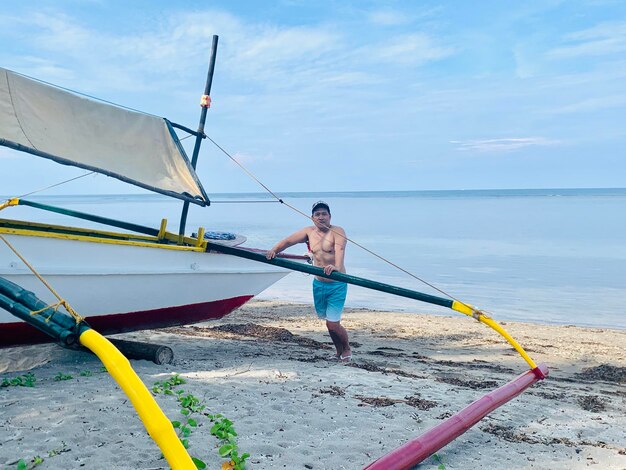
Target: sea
pixel 551 256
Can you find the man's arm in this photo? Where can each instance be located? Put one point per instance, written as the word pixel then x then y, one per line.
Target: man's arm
pixel 300 236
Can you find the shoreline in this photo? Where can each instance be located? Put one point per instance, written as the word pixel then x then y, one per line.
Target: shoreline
pixel 265 368
pixel 430 310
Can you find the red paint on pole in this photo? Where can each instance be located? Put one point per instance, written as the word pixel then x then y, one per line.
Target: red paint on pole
pixel 420 448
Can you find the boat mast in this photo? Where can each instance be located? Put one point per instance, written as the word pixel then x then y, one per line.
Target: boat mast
pixel 200 134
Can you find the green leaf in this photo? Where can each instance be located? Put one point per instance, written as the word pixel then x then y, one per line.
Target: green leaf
pixel 185 411
pixel 192 422
pixel 21 465
pixel 185 443
pixel 244 456
pixel 225 450
pixel 199 463
pixel 176 424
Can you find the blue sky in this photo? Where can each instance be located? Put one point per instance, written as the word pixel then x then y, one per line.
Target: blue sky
pixel 339 95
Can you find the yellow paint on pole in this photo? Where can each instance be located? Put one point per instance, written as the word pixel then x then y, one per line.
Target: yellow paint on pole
pixel 158 426
pixel 468 310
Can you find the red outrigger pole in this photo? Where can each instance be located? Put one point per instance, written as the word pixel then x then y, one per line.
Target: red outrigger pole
pixel 420 448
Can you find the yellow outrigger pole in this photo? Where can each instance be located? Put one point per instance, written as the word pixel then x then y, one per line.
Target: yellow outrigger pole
pixel 468 310
pixel 156 422
pixel 70 329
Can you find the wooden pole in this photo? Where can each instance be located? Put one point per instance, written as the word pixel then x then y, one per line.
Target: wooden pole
pixel 200 134
pixel 148 351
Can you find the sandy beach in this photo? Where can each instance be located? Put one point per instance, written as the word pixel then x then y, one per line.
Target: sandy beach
pixel 266 368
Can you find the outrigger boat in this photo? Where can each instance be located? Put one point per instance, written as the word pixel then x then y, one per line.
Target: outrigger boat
pixel 145 277
pixel 140 278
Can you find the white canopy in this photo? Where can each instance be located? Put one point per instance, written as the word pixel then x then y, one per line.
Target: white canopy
pixel 137 148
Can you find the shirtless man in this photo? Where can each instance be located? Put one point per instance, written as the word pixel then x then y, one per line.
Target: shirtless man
pixel 327 244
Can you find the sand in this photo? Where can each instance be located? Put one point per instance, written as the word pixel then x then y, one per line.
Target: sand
pixel 266 368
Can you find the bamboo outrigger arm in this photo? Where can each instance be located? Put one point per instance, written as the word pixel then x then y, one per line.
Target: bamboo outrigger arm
pixel 420 448
pixel 460 307
pixel 70 333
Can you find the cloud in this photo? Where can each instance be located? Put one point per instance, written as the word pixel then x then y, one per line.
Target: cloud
pixel 603 39
pixel 410 49
pixel 391 17
pixel 502 145
pixel 388 17
pixel 248 159
pixel 592 104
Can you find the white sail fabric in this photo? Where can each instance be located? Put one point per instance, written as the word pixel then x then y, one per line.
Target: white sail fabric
pixel 138 148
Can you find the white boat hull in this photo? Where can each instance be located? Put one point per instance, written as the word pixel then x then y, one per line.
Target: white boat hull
pixel 121 287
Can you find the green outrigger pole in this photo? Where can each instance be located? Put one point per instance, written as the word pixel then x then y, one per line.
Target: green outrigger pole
pixel 335 275
pixel 26 306
pixel 456 305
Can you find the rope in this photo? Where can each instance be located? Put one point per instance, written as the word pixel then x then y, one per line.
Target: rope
pixel 56 184
pixel 244 202
pixel 61 301
pixel 441 291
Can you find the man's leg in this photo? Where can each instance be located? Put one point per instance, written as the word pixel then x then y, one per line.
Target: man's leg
pixel 334 307
pixel 339 335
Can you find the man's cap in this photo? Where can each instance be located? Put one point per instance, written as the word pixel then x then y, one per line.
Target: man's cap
pixel 319 204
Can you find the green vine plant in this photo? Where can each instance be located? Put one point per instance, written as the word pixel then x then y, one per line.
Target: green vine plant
pixel 32 463
pixel 29 379
pixel 26 380
pixel 222 428
pixel 439 460
pixel 37 460
pixel 61 376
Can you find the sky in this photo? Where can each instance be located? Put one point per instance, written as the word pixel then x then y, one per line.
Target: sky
pixel 345 95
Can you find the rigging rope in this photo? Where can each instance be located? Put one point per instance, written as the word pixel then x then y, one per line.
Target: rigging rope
pixel 61 301
pixel 441 291
pixel 49 187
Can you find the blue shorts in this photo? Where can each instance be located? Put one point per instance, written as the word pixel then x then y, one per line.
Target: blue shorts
pixel 329 298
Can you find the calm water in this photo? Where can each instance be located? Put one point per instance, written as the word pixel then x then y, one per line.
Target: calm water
pixel 553 256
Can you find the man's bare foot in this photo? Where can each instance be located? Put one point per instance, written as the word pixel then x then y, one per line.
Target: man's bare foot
pixel 345 357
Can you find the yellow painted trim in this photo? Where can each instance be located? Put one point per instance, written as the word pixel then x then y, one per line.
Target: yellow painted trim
pixel 200 236
pixel 157 424
pixel 95 239
pixel 175 238
pixel 465 309
pixel 162 229
pixel 88 232
pixel 11 202
pixel 468 310
pixel 163 234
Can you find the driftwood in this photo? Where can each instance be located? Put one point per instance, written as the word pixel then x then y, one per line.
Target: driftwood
pixel 156 353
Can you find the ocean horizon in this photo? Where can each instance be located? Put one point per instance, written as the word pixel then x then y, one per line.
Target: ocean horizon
pixel 554 255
